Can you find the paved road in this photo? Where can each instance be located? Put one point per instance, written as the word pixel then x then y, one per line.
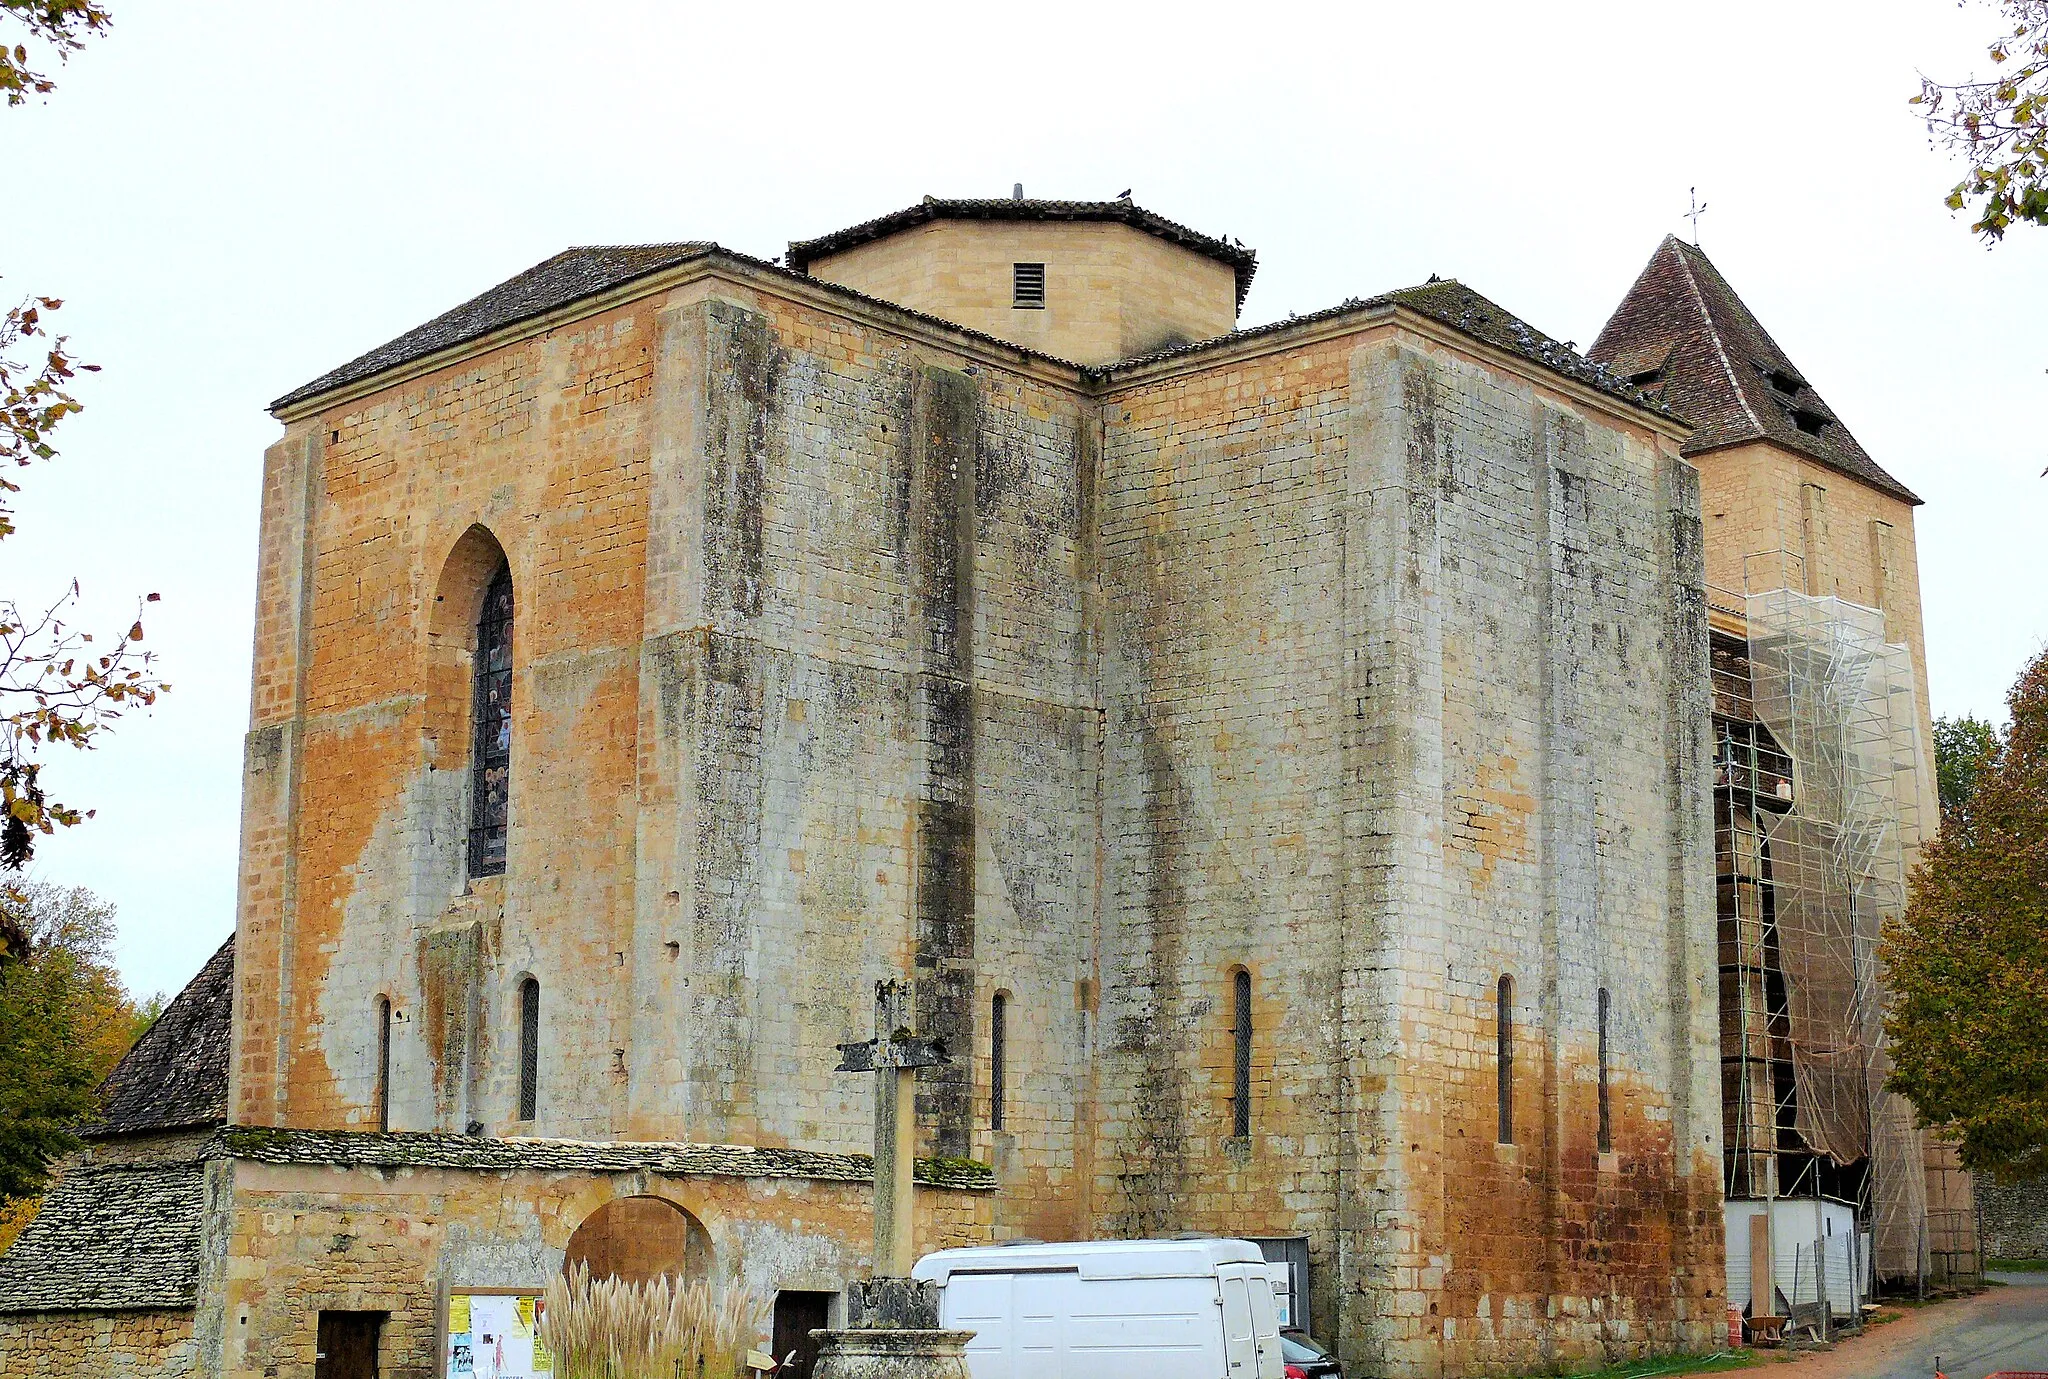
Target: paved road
pixel 2002 1328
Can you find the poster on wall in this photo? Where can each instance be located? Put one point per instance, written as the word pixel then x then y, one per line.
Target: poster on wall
pixel 496 1336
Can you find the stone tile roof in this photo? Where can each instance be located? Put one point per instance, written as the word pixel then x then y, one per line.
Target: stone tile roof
pixel 568 277
pixel 418 1149
pixel 110 1239
pixel 1685 334
pixel 176 1076
pixel 1452 303
pixel 1240 259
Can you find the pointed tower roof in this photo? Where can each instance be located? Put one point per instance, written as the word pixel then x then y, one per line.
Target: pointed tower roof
pixel 1683 335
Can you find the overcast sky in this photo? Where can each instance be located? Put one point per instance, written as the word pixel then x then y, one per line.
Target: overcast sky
pixel 233 198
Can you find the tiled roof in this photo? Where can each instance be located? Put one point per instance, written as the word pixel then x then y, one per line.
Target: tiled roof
pixel 1684 332
pixel 110 1239
pixel 1240 259
pixel 419 1149
pixel 569 276
pixel 176 1076
pixel 1448 301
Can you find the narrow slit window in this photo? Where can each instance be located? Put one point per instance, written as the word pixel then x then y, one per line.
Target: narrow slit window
pixel 1028 286
pixel 529 1048
pixel 1504 1055
pixel 1241 1055
pixel 998 1055
pixel 491 769
pixel 383 1063
pixel 1606 1112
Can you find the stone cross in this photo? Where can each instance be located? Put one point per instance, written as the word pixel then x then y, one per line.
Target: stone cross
pixel 894 1055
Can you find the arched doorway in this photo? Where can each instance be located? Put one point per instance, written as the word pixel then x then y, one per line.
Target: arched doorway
pixel 640 1239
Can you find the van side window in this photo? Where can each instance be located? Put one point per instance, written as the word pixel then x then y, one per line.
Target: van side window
pixel 1241 1054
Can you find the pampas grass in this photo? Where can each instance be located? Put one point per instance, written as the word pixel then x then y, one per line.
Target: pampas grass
pixel 611 1328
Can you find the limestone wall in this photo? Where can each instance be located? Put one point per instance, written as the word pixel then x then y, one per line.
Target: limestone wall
pixel 1348 656
pixel 97 1345
pixel 1401 695
pixel 1111 292
pixel 1779 520
pixel 307 1238
pixel 799 703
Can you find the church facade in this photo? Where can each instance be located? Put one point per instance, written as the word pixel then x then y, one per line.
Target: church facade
pixel 1278 760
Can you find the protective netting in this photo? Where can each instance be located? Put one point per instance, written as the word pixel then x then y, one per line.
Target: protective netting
pixel 1840 702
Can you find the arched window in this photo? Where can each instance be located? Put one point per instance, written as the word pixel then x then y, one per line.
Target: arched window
pixel 1241 1054
pixel 491 763
pixel 1606 1114
pixel 998 1054
pixel 383 1062
pixel 1504 1055
pixel 529 1048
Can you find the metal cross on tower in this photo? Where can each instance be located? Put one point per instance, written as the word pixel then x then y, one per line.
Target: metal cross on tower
pixel 894 1055
pixel 1699 209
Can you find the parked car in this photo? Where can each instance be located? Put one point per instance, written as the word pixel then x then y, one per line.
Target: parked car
pixel 1134 1309
pixel 1306 1358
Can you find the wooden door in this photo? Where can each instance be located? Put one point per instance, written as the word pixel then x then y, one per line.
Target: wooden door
pixel 347 1345
pixel 797 1315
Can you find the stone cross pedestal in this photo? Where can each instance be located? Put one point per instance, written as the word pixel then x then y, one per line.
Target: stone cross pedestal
pixel 892 1321
pixel 894 1055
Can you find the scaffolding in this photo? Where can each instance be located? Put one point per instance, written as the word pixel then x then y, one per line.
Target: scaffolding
pixel 1819 787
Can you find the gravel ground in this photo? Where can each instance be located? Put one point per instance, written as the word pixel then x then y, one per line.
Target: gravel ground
pixel 2000 1329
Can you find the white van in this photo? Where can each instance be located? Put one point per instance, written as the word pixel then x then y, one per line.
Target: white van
pixel 1134 1309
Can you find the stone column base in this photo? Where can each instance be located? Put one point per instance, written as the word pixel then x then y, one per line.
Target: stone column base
pixel 892 1354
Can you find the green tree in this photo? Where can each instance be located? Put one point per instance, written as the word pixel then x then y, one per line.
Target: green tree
pixel 1999 124
pixel 58 685
pixel 65 1021
pixel 1968 962
pixel 1961 747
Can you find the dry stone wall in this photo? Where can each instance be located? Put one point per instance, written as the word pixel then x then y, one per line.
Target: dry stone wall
pixel 2014 1218
pixel 98 1345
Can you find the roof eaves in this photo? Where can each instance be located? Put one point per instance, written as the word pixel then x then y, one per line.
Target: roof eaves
pixel 1472 316
pixel 441 355
pixel 424 339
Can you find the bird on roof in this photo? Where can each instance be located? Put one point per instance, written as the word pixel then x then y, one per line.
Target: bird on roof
pixel 1124 195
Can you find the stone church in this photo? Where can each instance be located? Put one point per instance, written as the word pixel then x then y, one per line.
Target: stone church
pixel 1278 759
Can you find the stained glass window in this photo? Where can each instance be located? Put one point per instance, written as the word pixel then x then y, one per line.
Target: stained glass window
pixel 491 769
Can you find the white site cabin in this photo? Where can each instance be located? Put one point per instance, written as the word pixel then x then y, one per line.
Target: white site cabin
pixel 1137 1309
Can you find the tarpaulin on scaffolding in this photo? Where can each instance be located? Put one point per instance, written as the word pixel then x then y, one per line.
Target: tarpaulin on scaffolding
pixel 1840 700
pixel 1820 940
